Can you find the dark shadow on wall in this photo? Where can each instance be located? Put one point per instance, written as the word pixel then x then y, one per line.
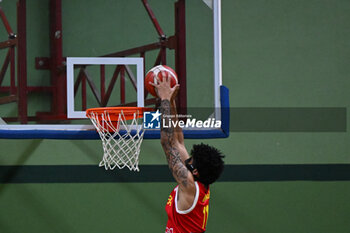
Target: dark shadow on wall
pixel 24 156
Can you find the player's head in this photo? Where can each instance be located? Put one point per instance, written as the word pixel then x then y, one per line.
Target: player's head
pixel 208 162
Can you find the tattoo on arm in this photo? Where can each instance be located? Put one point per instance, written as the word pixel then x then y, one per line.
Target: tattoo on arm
pixel 168 135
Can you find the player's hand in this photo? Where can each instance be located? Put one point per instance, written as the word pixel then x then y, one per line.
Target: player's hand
pixel 163 87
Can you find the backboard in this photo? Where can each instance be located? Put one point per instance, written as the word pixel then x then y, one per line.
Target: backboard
pixel 84 78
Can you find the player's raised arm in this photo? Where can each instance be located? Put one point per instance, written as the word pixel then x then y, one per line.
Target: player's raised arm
pixel 174 151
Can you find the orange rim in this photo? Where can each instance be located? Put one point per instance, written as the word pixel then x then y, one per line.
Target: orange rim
pixel 113 112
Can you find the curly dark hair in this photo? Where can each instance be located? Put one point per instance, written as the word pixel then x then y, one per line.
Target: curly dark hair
pixel 208 161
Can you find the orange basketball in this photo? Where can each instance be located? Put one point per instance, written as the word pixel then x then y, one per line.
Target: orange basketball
pixel 155 72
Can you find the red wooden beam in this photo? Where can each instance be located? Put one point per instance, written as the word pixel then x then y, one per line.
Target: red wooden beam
pixel 8 43
pixel 58 79
pixel 102 82
pixel 122 85
pixel 6 24
pixel 29 89
pixel 163 55
pixel 22 61
pixel 8 99
pixel 5 65
pixel 136 50
pixel 44 117
pixel 180 54
pixel 154 19
pixel 83 93
pixel 158 59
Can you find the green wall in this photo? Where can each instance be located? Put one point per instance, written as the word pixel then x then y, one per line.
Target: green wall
pixel 263 207
pixel 282 53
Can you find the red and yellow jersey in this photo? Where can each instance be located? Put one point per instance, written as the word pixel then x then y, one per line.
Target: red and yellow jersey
pixel 194 219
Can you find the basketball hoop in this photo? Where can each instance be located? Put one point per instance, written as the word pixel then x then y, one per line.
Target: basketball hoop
pixel 121 135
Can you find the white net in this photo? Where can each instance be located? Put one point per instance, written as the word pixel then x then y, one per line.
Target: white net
pixel 121 139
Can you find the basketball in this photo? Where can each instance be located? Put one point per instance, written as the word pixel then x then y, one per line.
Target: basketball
pixel 155 72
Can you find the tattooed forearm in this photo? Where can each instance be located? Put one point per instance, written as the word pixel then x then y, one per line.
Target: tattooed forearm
pixel 176 166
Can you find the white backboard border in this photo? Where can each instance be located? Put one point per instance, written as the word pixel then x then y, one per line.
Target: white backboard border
pixel 71 61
